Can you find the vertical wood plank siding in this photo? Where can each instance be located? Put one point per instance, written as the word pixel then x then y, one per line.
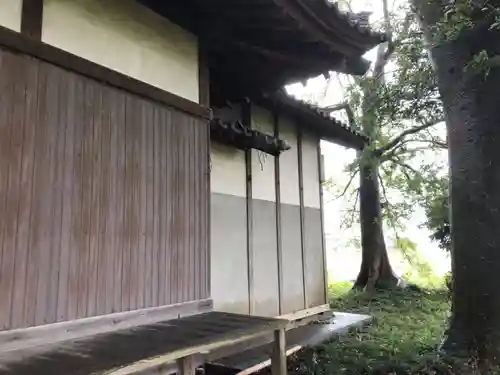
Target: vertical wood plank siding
pixel 103 198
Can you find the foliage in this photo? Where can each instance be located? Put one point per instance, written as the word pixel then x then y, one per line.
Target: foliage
pixel 421 270
pixel 398 106
pixel 437 212
pixel 407 328
pixel 462 15
pixel 457 18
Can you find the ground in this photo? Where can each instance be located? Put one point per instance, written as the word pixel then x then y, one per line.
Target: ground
pixel 407 329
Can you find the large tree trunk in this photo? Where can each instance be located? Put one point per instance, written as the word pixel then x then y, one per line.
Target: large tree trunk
pixel 471 102
pixel 375 271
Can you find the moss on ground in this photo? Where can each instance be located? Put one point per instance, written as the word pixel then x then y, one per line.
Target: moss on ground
pixel 407 328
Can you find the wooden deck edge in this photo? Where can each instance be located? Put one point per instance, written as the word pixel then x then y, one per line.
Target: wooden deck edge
pixel 167 363
pixel 20 339
pixel 306 316
pixel 153 363
pixel 363 321
pixel 306 312
pixel 295 320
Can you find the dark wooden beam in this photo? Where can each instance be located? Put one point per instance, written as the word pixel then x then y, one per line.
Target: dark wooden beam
pixel 321 174
pixel 203 77
pixel 32 19
pixel 237 135
pixel 246 115
pixel 279 247
pixel 302 216
pixel 178 12
pixel 21 43
pixel 287 57
pixel 310 22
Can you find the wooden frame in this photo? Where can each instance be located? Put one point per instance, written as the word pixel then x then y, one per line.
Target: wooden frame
pixel 26 45
pixel 32 19
pixel 239 136
pixel 321 174
pixel 295 320
pixel 278 357
pixel 302 314
pixel 302 216
pixel 203 77
pixel 188 359
pixel 52 333
pixel 279 245
pixel 307 316
pixel 246 115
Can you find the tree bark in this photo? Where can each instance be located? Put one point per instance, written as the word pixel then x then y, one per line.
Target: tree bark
pixel 376 270
pixel 471 103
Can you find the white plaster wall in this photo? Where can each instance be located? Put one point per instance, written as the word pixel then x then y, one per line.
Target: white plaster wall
pixel 125 36
pixel 310 170
pixel 263 177
pixel 227 170
pixel 289 172
pixel 229 260
pixel 227 164
pixel 10 14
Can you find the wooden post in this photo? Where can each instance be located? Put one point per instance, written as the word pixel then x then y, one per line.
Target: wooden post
pixel 32 19
pixel 321 174
pixel 302 218
pixel 246 115
pixel 279 247
pixel 278 358
pixel 187 365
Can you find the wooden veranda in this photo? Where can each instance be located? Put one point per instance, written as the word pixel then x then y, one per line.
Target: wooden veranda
pixel 137 350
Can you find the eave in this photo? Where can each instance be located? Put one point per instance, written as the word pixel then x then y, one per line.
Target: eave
pixel 313 120
pixel 265 44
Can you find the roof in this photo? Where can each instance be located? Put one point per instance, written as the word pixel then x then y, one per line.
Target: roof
pixel 261 45
pixel 313 119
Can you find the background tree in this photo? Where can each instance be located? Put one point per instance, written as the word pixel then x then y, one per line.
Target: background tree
pixel 396 105
pixel 437 211
pixel 463 40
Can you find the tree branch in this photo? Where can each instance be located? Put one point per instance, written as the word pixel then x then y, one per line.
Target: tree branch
pixel 394 152
pixel 349 221
pixel 351 179
pixel 396 141
pixel 406 166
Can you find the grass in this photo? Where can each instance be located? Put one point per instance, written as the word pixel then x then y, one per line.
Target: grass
pixel 406 330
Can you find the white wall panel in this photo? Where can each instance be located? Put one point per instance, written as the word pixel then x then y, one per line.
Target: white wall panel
pixel 10 14
pixel 227 170
pixel 263 175
pixel 289 172
pixel 310 170
pixel 125 36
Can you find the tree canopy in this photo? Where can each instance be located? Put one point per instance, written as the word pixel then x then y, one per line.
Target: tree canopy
pixel 398 106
